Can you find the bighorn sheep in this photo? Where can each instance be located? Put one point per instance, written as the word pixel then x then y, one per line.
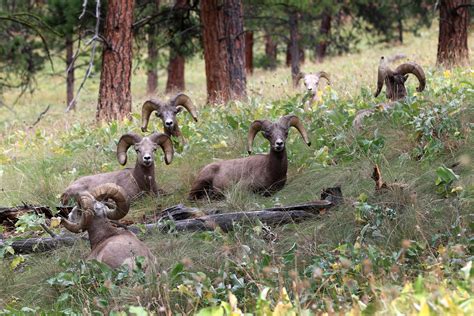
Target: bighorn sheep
pixel 265 174
pixel 311 82
pixel 395 79
pixel 133 180
pixel 110 245
pixel 395 86
pixel 167 112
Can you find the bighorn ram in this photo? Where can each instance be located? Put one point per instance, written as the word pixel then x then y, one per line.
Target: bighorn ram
pixel 261 173
pixel 134 180
pixel 311 82
pixel 167 112
pixel 110 245
pixel 395 79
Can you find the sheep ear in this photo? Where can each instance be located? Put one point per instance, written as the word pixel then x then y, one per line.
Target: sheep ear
pixel 124 143
pixel 147 108
pixel 165 143
pixel 294 121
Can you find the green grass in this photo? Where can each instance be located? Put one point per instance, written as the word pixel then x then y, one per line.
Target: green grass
pixel 356 257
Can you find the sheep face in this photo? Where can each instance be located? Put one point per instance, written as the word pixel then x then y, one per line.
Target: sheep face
pixel 276 134
pixel 311 82
pixel 145 148
pixel 145 152
pixel 167 113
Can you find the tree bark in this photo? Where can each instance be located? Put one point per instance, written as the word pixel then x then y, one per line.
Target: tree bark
pixel 294 48
pixel 249 52
pixel 70 72
pixel 400 30
pixel 324 30
pixel 453 26
pixel 176 62
pixel 270 51
pixel 115 99
pixel 224 49
pixel 152 65
pixel 175 73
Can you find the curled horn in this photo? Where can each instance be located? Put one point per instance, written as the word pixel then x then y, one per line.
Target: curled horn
pixel 147 108
pixel 165 143
pixel 415 69
pixel 325 75
pixel 183 100
pixel 117 194
pixel 382 72
pixel 124 143
pixel 255 127
pixel 298 77
pixel 293 120
pixel 86 203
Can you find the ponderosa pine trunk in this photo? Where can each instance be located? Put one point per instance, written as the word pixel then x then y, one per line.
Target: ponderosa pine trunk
pixel 224 49
pixel 115 99
pixel 175 80
pixel 249 52
pixel 294 48
pixel 152 64
pixel 270 51
pixel 324 30
pixel 177 61
pixel 70 72
pixel 453 26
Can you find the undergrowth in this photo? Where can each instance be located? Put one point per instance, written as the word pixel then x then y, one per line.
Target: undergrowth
pixel 406 250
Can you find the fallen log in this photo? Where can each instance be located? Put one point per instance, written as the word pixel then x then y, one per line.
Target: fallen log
pixel 9 215
pixel 271 216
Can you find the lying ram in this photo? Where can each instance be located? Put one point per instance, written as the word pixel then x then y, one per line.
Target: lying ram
pixel 110 245
pixel 135 180
pixel 265 174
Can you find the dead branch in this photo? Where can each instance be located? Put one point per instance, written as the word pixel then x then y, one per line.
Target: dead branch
pixel 92 41
pixel 40 116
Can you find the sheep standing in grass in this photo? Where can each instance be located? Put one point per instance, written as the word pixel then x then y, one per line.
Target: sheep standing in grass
pixel 395 79
pixel 265 174
pixel 135 180
pixel 311 82
pixel 110 245
pixel 167 112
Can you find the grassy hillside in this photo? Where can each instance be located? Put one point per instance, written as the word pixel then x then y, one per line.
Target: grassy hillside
pixel 403 251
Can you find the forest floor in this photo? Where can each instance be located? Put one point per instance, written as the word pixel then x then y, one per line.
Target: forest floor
pixel 404 251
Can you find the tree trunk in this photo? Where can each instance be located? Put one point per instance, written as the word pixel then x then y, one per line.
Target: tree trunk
pixel 270 51
pixel 70 73
pixel 152 65
pixel 324 30
pixel 224 49
pixel 294 49
pixel 453 26
pixel 400 30
pixel 115 99
pixel 175 73
pixel 176 62
pixel 249 52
